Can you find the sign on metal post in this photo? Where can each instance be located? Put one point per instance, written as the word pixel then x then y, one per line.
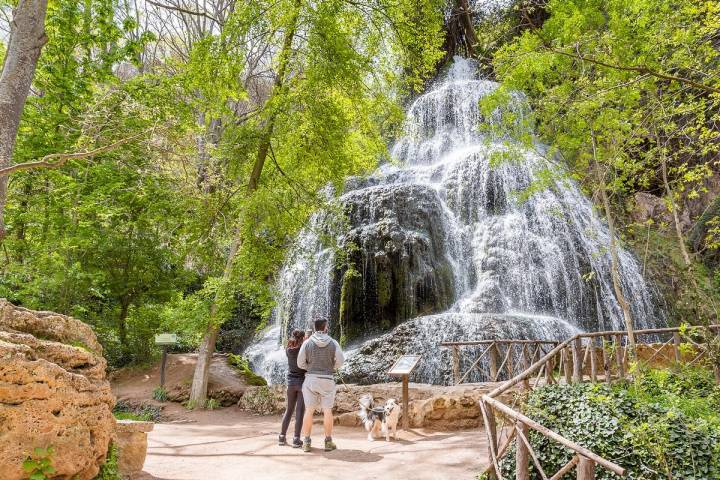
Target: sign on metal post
pixel 402 368
pixel 164 339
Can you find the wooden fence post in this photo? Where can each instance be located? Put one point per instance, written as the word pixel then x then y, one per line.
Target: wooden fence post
pixel 566 366
pixel 577 360
pixel 606 361
pixel 676 346
pixel 522 454
pixel 593 361
pixel 620 356
pixel 491 428
pixel 510 360
pixel 455 364
pixel 550 371
pixel 525 365
pixel 493 352
pixel 585 469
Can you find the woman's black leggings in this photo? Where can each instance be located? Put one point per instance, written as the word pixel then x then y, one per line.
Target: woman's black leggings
pixel 294 402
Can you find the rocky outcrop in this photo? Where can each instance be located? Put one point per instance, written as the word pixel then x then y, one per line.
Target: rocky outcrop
pixel 400 269
pixel 53 392
pixel 370 362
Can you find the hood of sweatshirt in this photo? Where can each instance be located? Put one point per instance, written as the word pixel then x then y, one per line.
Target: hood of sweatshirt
pixel 321 339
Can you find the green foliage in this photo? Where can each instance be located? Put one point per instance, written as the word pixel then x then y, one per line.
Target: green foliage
pixel 212 404
pixel 242 366
pixel 109 469
pixel 160 394
pixel 39 465
pixel 135 240
pixel 664 425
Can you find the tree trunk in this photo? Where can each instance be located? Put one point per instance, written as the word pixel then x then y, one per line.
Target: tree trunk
pixel 27 37
pixel 198 390
pixel 614 258
pixel 673 208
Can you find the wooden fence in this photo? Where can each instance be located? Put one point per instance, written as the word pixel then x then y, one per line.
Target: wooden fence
pixel 597 356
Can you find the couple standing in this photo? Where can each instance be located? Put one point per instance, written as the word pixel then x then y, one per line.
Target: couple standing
pixel 311 383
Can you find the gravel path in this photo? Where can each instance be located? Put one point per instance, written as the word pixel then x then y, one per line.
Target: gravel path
pixel 229 444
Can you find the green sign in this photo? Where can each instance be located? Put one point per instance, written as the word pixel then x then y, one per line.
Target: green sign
pixel 166 339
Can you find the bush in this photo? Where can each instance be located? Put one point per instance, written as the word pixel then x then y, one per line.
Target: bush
pixel 665 425
pixel 109 469
pixel 242 366
pixel 160 394
pixel 261 400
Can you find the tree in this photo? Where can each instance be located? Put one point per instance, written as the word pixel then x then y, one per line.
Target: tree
pixel 27 38
pixel 628 92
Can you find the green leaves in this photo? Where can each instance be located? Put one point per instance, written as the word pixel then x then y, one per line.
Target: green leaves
pixel 647 426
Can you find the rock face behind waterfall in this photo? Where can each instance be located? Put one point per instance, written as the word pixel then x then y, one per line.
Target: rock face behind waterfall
pixel 402 269
pixel 53 392
pixel 457 228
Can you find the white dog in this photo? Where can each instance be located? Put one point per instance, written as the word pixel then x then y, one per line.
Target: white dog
pixel 379 419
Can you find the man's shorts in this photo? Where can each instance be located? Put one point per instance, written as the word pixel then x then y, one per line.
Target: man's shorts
pixel 318 392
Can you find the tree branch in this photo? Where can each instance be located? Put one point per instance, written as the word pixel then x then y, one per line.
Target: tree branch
pixel 639 69
pixel 186 11
pixel 57 160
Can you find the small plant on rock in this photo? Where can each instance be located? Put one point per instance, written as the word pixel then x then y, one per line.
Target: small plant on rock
pixel 212 404
pixel 39 465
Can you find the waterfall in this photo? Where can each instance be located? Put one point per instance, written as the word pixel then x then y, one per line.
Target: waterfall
pixel 445 247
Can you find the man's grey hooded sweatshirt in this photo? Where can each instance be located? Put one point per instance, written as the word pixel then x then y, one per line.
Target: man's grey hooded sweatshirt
pixel 320 355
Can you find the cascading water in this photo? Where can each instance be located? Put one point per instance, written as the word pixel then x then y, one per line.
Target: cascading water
pixel 444 249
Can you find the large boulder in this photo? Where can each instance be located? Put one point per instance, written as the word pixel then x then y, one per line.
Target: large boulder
pixel 370 361
pixel 53 392
pixel 398 250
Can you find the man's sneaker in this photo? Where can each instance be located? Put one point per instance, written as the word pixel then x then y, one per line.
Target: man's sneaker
pixel 330 445
pixel 281 440
pixel 297 443
pixel 306 445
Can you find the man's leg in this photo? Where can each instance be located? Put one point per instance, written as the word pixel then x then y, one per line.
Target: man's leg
pixel 307 422
pixel 328 422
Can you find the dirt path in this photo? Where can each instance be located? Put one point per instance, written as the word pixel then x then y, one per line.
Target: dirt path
pixel 230 444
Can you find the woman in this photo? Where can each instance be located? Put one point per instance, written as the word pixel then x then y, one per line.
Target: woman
pixel 295 378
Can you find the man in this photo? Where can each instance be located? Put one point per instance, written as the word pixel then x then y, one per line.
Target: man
pixel 319 356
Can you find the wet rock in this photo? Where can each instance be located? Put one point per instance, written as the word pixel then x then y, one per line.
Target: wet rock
pixel 371 360
pixel 53 392
pixel 400 269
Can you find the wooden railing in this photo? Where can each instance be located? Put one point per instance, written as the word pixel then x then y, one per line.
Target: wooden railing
pixel 596 356
pixel 503 358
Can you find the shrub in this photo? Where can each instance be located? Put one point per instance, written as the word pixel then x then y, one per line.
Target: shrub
pixel 39 465
pixel 109 469
pixel 242 366
pixel 160 394
pixel 261 400
pixel 665 425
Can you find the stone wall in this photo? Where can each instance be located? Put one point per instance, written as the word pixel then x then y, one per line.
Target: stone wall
pixel 53 392
pixel 430 406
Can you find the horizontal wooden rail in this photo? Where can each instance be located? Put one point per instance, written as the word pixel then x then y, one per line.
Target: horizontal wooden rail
pixel 503 341
pixel 509 412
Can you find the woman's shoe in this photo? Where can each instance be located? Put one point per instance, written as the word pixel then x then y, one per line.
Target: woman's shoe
pixel 297 443
pixel 281 440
